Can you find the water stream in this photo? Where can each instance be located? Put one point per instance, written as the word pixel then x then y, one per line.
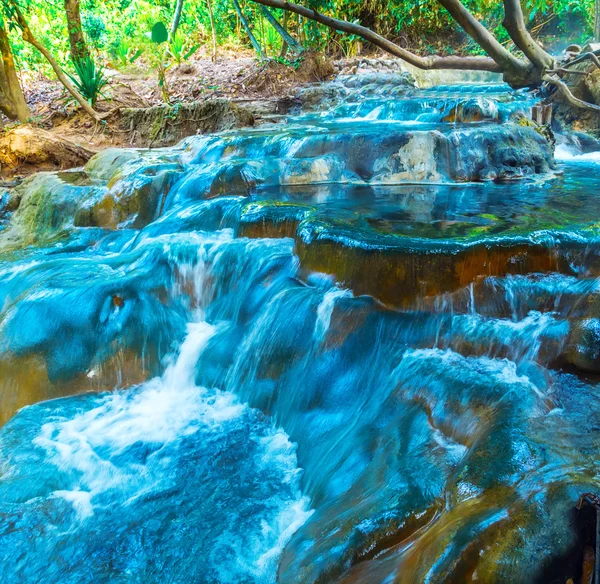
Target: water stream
pixel 360 345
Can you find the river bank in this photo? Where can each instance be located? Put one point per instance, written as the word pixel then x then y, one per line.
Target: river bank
pixel 237 91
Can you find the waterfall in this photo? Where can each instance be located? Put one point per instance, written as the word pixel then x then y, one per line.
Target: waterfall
pixel 360 345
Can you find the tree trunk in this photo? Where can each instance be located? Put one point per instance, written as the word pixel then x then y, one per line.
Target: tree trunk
pixel 246 26
pixel 514 23
pixel 176 19
pixel 284 24
pixel 12 100
pixel 28 37
pixel 286 37
pixel 213 30
pixel 78 47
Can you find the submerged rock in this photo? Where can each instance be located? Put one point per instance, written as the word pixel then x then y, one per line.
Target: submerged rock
pixel 70 323
pixel 398 270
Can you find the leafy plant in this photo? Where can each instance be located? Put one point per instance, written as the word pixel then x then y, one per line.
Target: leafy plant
pixel 95 28
pixel 293 63
pixel 90 79
pixel 159 35
pixel 123 53
pixel 181 50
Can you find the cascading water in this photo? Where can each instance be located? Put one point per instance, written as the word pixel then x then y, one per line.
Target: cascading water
pixel 319 351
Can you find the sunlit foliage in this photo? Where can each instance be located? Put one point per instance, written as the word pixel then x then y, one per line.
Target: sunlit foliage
pixel 117 30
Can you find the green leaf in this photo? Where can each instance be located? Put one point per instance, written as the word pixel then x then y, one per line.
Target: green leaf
pixel 159 33
pixel 191 52
pixel 136 56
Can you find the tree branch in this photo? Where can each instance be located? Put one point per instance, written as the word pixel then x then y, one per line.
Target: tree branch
pixel 433 62
pixel 514 23
pixel 286 37
pixel 593 56
pixel 482 36
pixel 248 30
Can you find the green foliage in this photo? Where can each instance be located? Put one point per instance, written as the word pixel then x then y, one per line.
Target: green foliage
pixel 90 79
pixel 181 50
pixel 116 30
pixel 266 35
pixel 95 29
pixel 293 63
pixel 124 53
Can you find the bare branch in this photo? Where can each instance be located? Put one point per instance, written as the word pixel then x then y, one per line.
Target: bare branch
pixel 583 57
pixel 432 62
pixel 567 72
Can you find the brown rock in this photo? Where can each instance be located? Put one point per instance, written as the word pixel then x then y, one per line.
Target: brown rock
pixel 28 145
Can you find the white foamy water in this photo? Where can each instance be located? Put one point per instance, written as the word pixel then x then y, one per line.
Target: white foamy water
pixel 325 311
pixel 100 449
pixel 571 152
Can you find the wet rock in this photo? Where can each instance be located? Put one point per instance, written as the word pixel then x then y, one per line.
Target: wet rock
pixel 398 270
pixel 49 205
pixel 131 202
pixel 106 164
pixel 369 84
pixel 372 155
pixel 24 379
pixel 64 332
pixel 416 161
pixel 271 219
pixel 45 205
pixel 583 345
pixel 506 152
pixel 473 110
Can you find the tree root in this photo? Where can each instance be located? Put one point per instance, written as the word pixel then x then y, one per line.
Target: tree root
pixel 568 96
pixel 591 56
pixel 567 72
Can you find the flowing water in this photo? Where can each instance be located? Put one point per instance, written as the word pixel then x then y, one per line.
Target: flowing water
pixel 357 346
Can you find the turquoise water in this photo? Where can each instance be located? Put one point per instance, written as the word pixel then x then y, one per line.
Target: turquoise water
pixel 186 401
